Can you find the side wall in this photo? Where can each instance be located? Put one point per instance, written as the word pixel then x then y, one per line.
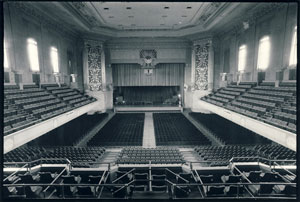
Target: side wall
pixel 279 25
pixel 19 25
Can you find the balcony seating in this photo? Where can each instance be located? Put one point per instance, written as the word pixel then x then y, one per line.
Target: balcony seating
pixel 26 107
pixel 161 155
pixel 176 129
pixel 267 103
pixel 121 130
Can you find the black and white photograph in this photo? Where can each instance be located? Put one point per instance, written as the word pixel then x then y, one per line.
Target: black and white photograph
pixel 127 100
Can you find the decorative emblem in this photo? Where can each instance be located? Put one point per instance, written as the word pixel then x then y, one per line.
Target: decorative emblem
pixel 148 57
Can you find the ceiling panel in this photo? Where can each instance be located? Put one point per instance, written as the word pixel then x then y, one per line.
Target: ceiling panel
pixel 148 15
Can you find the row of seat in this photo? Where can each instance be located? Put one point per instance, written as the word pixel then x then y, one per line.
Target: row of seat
pixel 176 129
pixel 122 130
pixel 38 103
pixel 263 102
pixel 143 156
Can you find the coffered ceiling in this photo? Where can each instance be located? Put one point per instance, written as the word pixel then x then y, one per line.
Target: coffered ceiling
pixel 144 19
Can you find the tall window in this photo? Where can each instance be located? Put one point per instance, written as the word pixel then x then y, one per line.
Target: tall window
pixel 33 55
pixel 54 59
pixel 5 57
pixel 263 53
pixel 242 57
pixel 293 54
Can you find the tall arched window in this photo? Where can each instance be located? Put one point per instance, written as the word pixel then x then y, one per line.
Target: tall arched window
pixel 293 54
pixel 54 59
pixel 5 57
pixel 263 53
pixel 33 55
pixel 242 57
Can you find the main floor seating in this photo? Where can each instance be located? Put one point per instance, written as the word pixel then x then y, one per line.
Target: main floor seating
pixel 121 130
pixel 31 104
pixel 72 132
pixel 275 151
pixel 159 155
pixel 267 103
pixel 220 155
pixel 84 157
pixel 227 131
pixel 176 129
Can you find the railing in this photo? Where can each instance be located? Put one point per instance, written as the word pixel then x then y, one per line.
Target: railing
pixel 185 187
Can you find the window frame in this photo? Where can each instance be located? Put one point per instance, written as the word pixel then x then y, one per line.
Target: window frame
pixel 293 50
pixel 32 42
pixel 260 51
pixel 242 47
pixel 6 63
pixel 54 50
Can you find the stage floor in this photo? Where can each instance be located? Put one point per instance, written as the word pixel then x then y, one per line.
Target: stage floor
pixel 146 108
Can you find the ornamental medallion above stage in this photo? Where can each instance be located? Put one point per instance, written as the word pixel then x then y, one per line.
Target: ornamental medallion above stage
pixel 94 66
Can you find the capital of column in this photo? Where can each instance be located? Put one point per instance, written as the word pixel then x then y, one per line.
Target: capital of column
pixel 202 42
pixel 93 43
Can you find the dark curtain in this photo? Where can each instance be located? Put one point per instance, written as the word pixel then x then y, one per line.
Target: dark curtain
pixel 134 75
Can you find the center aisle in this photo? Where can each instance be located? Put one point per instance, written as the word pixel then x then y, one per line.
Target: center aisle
pixel 149 134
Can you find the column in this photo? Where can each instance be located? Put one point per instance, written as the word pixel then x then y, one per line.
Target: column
pixel 202 72
pixel 202 60
pixel 94 72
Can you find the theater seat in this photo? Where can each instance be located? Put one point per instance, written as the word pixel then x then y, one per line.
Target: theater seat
pixel 290 190
pixel 215 190
pixel 84 191
pixel 181 191
pixel 94 179
pixel 162 188
pixel 234 190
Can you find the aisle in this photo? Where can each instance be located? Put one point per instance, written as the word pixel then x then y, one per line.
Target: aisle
pixel 149 134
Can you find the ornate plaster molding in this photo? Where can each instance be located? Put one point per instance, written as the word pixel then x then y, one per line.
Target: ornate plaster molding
pixel 201 42
pixel 84 13
pixel 89 42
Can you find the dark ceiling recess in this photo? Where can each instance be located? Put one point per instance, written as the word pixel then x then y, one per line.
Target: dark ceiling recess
pixel 166 7
pixel 131 16
pixel 106 8
pixel 164 16
pixel 111 16
pixel 128 8
pixel 184 16
pixel 133 25
pixel 189 7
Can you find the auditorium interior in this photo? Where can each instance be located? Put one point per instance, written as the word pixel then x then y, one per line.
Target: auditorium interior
pixel 149 100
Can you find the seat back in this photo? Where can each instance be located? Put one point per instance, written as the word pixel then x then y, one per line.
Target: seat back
pixel 94 179
pixel 162 188
pixel 69 179
pixel 84 190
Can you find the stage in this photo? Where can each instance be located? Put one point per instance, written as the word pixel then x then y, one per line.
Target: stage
pixel 147 108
